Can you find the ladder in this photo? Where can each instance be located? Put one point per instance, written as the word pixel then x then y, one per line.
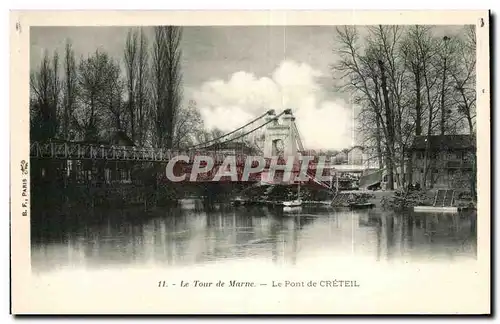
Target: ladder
pixel 444 198
pixel 439 199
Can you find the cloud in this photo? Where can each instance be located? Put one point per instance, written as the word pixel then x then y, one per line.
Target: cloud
pixel 322 121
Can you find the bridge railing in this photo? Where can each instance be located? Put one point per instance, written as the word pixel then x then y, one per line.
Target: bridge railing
pixel 86 151
pixel 81 151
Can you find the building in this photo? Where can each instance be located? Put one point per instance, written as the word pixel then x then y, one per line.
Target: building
pixel 450 161
pixel 104 172
pixel 340 158
pixel 355 155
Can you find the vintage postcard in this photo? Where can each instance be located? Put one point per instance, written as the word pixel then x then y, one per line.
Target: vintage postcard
pixel 257 162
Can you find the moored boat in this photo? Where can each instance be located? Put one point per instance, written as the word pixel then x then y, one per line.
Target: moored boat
pixel 361 205
pixel 293 203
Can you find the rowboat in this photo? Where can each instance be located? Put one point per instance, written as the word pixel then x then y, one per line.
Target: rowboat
pixel 292 210
pixel 292 203
pixel 361 205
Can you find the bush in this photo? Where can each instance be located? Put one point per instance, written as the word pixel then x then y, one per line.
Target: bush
pixel 407 199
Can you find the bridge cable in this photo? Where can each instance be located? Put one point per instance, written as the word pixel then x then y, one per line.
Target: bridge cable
pixel 253 130
pixel 299 140
pixel 232 132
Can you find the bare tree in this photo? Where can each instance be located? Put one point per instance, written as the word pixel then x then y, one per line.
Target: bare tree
pixel 402 80
pixel 111 98
pixel 131 67
pixel 96 74
pixel 445 50
pixel 70 90
pixel 363 74
pixel 45 91
pixel 55 83
pixel 426 51
pixel 166 82
pixel 412 52
pixel 136 68
pixel 464 77
pixel 142 89
pixel 187 127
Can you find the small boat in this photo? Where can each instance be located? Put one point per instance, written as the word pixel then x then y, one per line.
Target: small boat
pixel 361 205
pixel 238 201
pixel 294 203
pixel 288 209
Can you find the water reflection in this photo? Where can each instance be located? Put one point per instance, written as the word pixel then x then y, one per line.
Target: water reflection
pixel 195 233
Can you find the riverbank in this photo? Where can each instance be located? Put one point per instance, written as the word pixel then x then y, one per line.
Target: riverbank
pixel 274 195
pixel 425 198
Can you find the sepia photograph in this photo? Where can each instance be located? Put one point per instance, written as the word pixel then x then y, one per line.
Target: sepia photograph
pixel 276 168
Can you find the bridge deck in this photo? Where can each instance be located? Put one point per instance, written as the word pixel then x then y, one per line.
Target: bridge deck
pixel 77 151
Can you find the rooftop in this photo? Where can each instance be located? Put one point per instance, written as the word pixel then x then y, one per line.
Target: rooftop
pixel 443 142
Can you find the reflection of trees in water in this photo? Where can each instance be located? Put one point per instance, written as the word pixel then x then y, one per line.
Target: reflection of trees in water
pixel 426 234
pixel 236 232
pixel 195 232
pixel 244 231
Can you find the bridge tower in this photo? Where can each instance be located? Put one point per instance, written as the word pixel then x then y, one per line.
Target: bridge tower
pixel 281 137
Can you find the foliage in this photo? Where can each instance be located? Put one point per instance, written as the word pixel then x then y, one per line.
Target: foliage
pixel 406 199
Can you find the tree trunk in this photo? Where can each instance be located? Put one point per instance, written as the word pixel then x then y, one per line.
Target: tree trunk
pixel 410 168
pixel 402 182
pixel 427 150
pixel 379 144
pixel 390 128
pixel 443 110
pixel 418 104
pixel 469 121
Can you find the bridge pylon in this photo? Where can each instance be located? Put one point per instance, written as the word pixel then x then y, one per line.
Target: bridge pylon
pixel 280 140
pixel 280 136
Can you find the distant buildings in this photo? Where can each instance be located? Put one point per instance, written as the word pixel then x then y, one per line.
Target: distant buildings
pixel 355 155
pixel 366 157
pixel 450 162
pixel 353 164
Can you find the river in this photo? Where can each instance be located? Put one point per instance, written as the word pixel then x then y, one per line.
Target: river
pixel 194 234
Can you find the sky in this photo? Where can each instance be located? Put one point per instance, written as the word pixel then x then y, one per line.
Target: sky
pixel 235 73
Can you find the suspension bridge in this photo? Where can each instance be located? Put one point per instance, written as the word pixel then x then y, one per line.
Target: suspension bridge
pixel 269 135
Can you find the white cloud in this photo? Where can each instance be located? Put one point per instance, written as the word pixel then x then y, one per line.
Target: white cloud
pixel 323 123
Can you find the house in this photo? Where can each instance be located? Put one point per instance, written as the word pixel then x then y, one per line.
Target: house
pixel 340 158
pixel 120 138
pixel 355 155
pixel 119 172
pixel 358 155
pixel 450 161
pixel 104 171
